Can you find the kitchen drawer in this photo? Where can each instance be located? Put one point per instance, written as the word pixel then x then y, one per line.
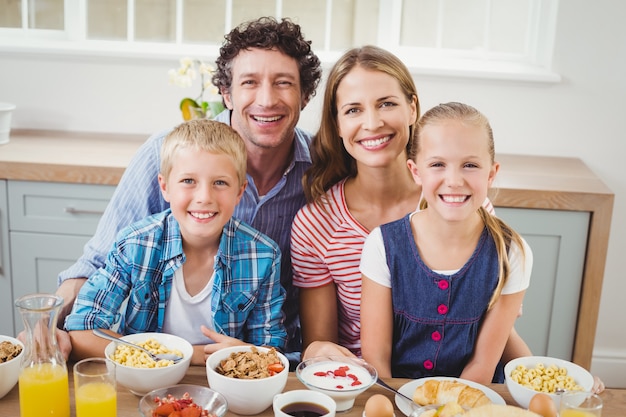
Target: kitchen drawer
pixel 64 208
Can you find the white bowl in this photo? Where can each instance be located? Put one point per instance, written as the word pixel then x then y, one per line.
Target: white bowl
pixel 209 400
pixel 245 396
pixel 322 374
pixel 142 380
pixel 10 370
pixel 522 395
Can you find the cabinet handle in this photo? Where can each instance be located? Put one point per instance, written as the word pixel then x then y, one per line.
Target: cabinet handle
pixel 72 210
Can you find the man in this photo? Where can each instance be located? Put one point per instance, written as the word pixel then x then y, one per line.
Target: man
pixel 266 73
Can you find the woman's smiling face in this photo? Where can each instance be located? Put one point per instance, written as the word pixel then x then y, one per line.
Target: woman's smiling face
pixel 374 117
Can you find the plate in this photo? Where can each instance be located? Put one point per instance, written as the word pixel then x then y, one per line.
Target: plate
pixel 409 388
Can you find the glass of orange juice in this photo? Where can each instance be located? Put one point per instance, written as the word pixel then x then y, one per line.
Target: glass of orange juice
pixel 580 404
pixel 95 391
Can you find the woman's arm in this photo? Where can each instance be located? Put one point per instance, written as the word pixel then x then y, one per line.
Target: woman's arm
pixel 492 337
pixel 376 326
pixel 318 316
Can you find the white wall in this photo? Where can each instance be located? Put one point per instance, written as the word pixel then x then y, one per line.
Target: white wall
pixel 583 116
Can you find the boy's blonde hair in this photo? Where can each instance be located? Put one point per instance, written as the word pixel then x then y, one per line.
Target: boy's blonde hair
pixel 205 135
pixel 501 233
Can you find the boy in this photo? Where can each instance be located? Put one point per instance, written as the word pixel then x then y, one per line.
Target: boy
pixel 192 266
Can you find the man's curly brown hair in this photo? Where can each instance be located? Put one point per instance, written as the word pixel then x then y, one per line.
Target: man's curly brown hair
pixel 268 33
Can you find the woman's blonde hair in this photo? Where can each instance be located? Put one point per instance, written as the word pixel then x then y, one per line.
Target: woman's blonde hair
pixel 501 233
pixel 205 135
pixel 330 160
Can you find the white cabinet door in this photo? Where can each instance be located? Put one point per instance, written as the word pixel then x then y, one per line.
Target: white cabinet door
pixel 6 299
pixel 558 240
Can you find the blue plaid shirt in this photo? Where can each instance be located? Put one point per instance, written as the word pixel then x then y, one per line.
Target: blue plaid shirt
pixel 246 298
pixel 138 196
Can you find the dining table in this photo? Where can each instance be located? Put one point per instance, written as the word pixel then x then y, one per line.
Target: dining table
pixel 128 403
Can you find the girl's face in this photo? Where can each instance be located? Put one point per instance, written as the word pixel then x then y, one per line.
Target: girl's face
pixel 454 168
pixel 374 116
pixel 203 190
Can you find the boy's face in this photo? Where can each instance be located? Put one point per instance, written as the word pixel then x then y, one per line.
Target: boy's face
pixel 203 190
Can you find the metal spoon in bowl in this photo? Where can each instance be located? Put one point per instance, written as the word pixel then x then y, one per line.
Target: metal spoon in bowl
pixel 158 357
pixel 414 406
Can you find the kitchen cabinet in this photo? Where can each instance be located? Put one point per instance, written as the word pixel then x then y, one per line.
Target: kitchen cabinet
pixel 558 241
pixel 560 186
pixel 49 223
pixel 6 297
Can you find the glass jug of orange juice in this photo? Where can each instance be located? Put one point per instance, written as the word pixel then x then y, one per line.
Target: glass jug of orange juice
pixel 43 384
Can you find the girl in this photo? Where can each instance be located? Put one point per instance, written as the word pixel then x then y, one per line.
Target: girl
pixel 442 287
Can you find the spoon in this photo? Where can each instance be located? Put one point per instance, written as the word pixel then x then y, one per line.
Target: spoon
pixel 414 405
pixel 156 358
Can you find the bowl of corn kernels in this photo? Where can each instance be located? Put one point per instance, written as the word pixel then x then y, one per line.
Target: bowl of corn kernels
pixel 529 375
pixel 138 372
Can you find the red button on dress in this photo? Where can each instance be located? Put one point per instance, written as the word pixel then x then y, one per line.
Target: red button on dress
pixel 428 364
pixel 436 336
pixel 443 284
pixel 442 309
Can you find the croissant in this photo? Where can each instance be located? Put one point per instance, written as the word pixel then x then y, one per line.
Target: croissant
pixel 441 392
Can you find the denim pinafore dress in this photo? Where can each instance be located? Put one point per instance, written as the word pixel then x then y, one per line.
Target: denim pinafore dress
pixel 436 317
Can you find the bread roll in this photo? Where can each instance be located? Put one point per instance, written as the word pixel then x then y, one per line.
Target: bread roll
pixel 444 391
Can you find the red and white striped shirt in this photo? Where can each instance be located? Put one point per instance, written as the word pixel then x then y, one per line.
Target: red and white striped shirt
pixel 326 244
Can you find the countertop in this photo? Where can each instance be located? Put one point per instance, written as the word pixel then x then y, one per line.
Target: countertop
pixel 524 181
pixel 98 158
pixel 54 156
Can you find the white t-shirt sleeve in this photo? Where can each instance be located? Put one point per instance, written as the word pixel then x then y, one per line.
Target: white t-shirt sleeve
pixel 519 278
pixel 374 259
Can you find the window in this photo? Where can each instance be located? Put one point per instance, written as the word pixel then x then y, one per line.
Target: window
pixel 483 38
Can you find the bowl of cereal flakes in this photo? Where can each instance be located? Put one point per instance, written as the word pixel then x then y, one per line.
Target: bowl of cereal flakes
pixel 248 376
pixel 11 352
pixel 138 372
pixel 528 375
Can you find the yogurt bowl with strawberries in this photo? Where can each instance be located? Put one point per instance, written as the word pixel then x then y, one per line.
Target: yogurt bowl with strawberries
pixel 342 378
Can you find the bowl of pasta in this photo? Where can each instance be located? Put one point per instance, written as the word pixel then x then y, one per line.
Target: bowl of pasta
pixel 248 376
pixel 138 372
pixel 529 375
